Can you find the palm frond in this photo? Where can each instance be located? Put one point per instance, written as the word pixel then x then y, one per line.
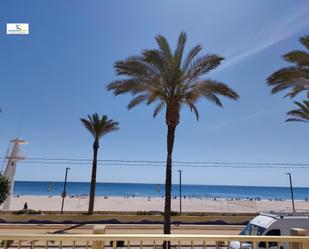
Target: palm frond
pixel 210 89
pixel 158 109
pixel 301 114
pixel 295 90
pixel 164 47
pixel 137 100
pixel 99 127
pixel 133 66
pixel 153 96
pixel 88 125
pixel 296 77
pixel 296 119
pixel 301 58
pixel 287 75
pixel 305 41
pixel 180 48
pixel 191 55
pixel 219 88
pixel 154 58
pixel 203 65
pixel 213 98
pixel 194 109
pixel 110 126
pixel 304 106
pixel 124 86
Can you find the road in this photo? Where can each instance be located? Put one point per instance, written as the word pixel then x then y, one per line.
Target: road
pixel 117 229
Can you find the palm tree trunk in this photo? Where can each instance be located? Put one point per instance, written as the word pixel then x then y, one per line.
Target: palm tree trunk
pixel 93 177
pixel 168 181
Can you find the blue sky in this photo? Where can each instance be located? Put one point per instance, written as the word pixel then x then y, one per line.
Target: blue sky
pixel 58 73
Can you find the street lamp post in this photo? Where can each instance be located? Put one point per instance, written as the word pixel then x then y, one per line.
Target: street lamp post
pixel 291 188
pixel 64 188
pixel 180 191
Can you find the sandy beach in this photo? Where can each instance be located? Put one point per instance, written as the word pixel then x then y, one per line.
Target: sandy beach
pixel 156 204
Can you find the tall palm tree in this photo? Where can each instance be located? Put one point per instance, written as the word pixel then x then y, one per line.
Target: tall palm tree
pixel 295 77
pixel 301 114
pixel 98 128
pixel 166 78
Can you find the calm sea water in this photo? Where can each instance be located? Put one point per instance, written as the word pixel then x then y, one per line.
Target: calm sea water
pixel 156 190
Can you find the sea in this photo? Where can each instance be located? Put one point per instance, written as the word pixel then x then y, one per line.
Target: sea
pixel 157 190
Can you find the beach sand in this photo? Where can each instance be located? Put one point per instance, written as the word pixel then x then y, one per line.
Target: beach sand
pixel 46 203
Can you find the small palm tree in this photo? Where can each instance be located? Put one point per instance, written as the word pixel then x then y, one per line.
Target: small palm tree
pixel 98 128
pixel 172 81
pixel 301 114
pixel 295 77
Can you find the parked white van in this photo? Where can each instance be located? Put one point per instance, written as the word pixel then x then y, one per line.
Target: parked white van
pixel 272 225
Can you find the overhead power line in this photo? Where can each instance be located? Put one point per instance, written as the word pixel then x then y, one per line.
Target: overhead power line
pixel 160 162
pixel 153 163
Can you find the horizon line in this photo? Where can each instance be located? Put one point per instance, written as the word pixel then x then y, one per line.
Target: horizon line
pixel 183 184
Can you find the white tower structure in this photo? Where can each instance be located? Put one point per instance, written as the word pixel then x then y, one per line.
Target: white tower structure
pixel 10 169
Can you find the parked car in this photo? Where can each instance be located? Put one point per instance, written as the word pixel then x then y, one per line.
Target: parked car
pixel 272 225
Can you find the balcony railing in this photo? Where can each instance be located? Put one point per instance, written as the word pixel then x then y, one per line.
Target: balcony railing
pixel 154 241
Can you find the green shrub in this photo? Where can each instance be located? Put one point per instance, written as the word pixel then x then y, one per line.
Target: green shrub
pixel 28 211
pixel 143 213
pixel 8 243
pixel 174 213
pixel 4 188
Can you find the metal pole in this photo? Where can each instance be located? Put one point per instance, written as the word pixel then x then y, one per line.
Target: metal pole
pixel 180 191
pixel 291 188
pixel 64 188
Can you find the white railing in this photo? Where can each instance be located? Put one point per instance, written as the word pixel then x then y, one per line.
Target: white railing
pixel 154 241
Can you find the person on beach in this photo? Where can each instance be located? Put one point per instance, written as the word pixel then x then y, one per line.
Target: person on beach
pixel 26 206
